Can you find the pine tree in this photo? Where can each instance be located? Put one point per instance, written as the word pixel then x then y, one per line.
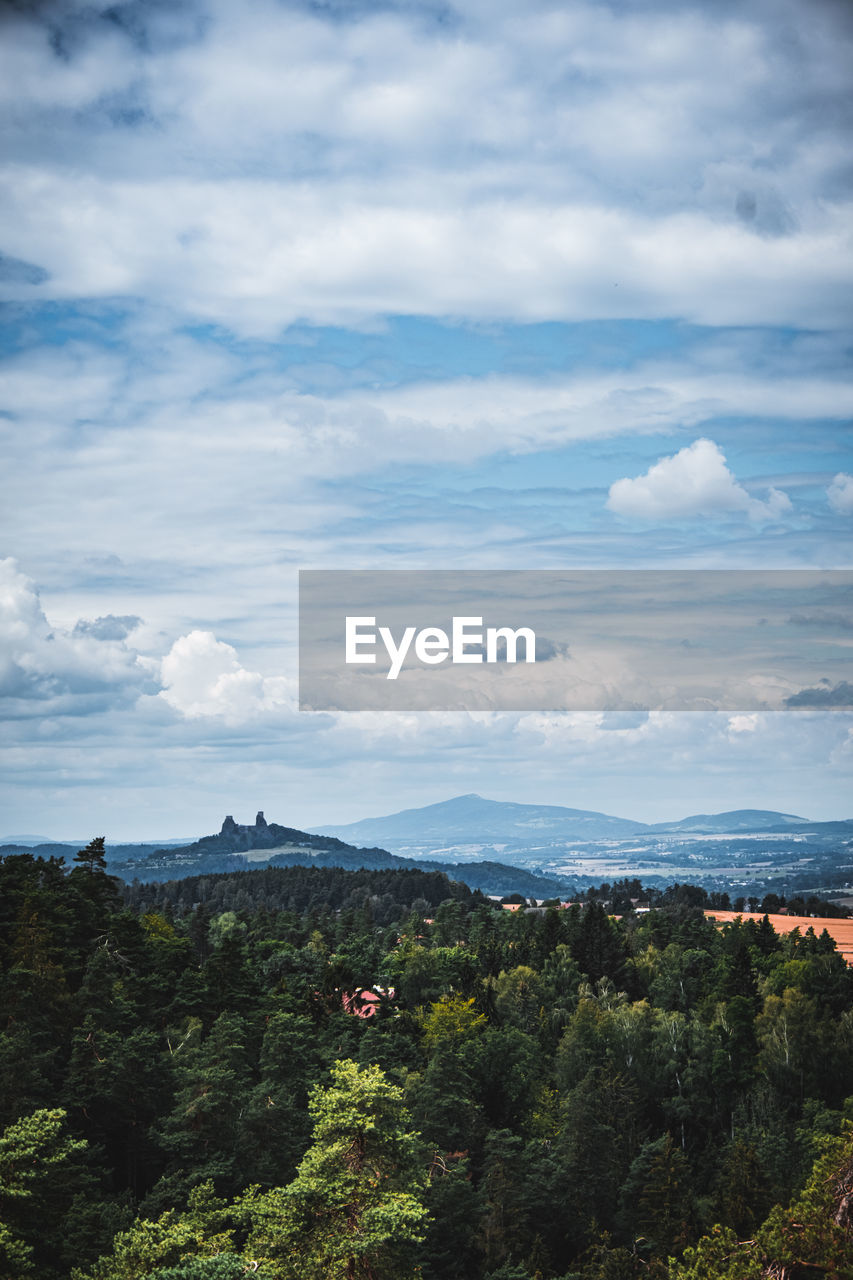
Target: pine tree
pixel 355 1210
pixel 39 1165
pixel 98 891
pixel 656 1198
pixel 203 1132
pixel 92 858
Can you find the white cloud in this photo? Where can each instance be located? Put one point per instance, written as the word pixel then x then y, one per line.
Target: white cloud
pixel 840 494
pixel 308 769
pixel 744 723
pixel 267 477
pixel 45 669
pixel 202 676
pixel 521 163
pixel 338 163
pixel 695 481
pixel 258 255
pixel 480 415
pixel 254 440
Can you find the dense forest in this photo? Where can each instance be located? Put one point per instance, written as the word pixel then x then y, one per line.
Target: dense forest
pixel 192 1089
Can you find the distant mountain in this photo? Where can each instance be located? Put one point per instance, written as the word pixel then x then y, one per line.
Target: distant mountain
pixel 497 846
pixel 444 827
pixel 237 847
pixel 471 818
pixel 50 850
pixel 65 849
pixel 732 822
pixel 25 841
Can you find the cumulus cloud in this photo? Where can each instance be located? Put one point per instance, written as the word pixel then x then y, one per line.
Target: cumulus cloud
pixel 744 723
pixel 110 627
pixel 49 670
pixel 840 494
pixel 202 676
pixel 45 669
pixel 695 481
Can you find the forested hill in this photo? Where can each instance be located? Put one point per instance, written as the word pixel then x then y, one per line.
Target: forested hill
pixel 234 837
pixel 315 1074
pixel 228 849
pixel 237 847
pixel 304 889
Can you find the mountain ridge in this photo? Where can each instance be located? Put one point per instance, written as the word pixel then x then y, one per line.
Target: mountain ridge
pixel 501 847
pixel 230 849
pixel 488 819
pixel 494 819
pixel 474 817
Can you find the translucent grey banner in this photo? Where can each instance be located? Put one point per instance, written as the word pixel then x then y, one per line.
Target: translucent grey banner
pixel 583 640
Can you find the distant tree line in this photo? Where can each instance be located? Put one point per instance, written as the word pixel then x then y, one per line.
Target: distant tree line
pixel 624 895
pixel 301 889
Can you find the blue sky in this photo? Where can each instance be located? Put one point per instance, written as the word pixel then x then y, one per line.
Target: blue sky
pixel 404 285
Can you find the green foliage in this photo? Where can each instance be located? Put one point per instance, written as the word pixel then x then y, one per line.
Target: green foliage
pixel 92 858
pixel 204 1229
pixel 225 1266
pixel 451 1249
pixel 656 1204
pixel 595 1149
pixel 814 1236
pixel 742 1191
pixel 38 1164
pixel 817 1230
pixel 450 1021
pixel 274 1126
pixel 356 1206
pixel 589 1094
pixel 519 997
pixel 205 1127
pixel 422 974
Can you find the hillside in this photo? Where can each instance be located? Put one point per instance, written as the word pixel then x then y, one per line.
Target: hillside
pixel 502 847
pixel 474 818
pixel 237 847
pixel 732 822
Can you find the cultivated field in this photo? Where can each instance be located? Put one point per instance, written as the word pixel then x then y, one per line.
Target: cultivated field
pixel 840 930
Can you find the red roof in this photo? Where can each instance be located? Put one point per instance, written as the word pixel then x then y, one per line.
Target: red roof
pixel 363 1002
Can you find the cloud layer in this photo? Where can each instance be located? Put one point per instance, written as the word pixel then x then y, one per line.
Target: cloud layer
pixel 523 164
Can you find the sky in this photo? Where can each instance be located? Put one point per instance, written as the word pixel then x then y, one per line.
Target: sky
pixel 404 285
